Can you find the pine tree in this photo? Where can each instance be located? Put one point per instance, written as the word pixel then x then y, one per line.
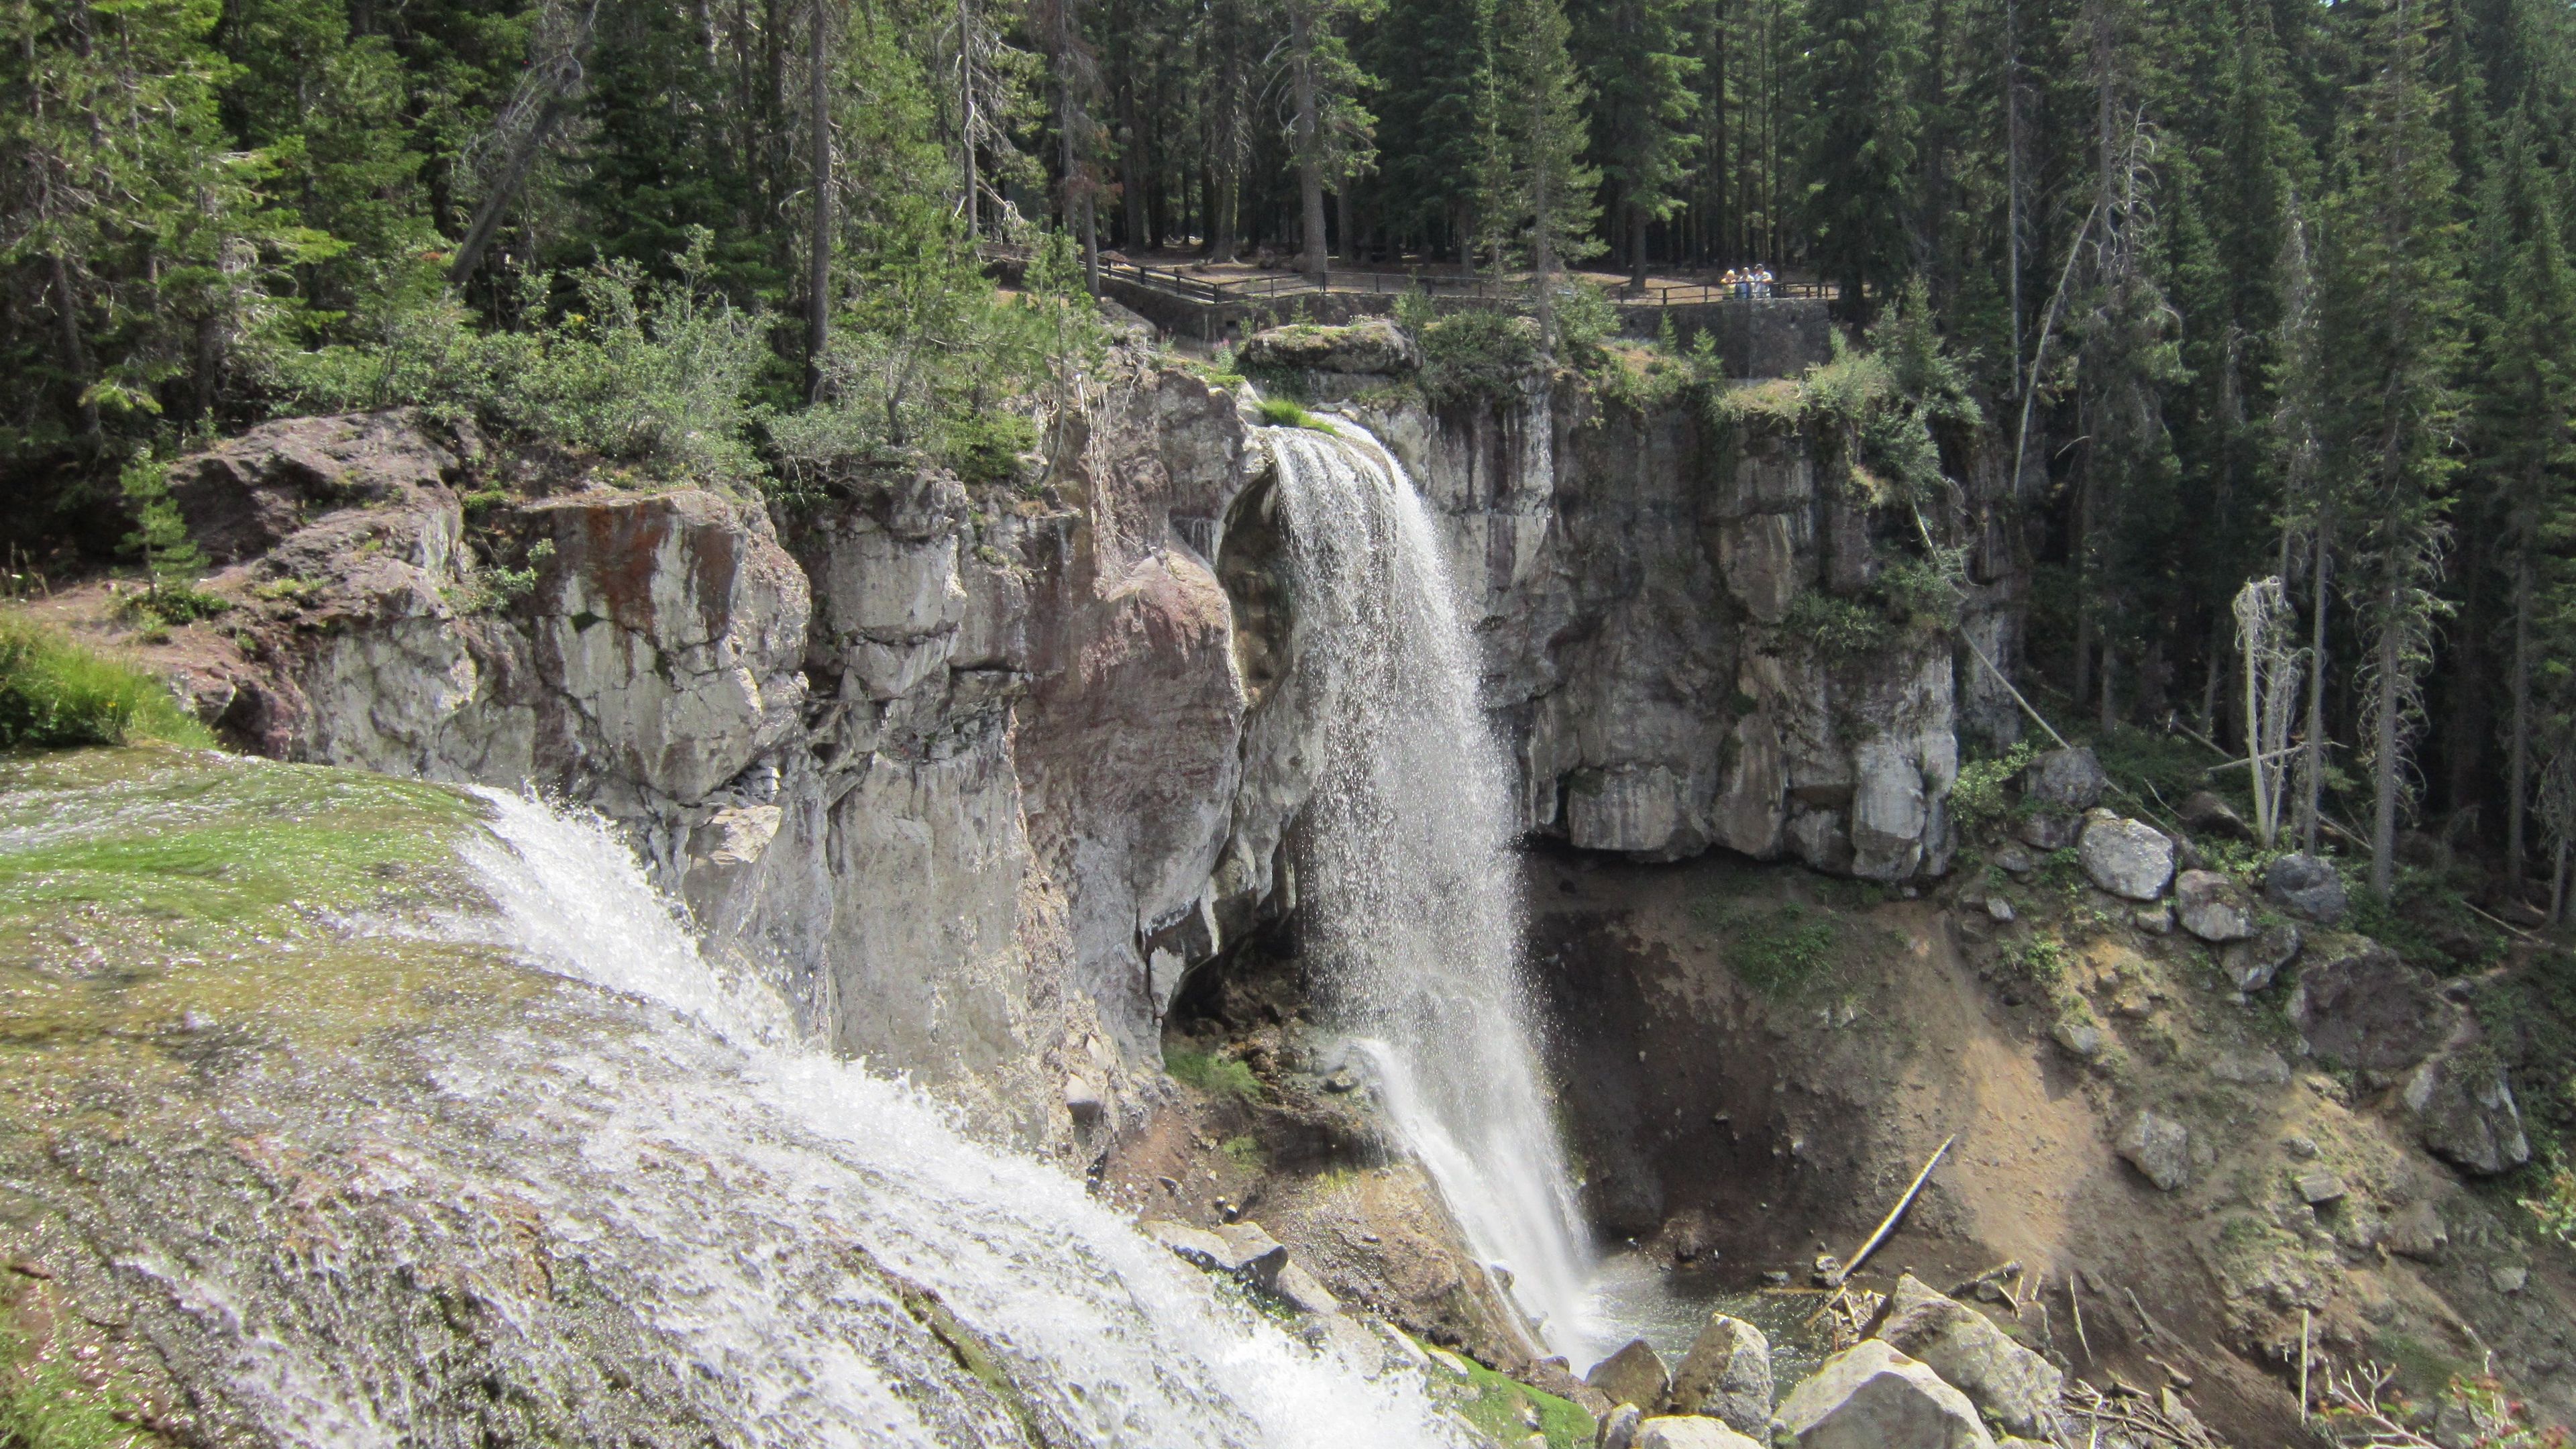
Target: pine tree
pixel 2391 325
pixel 1543 192
pixel 1860 143
pixel 1637 64
pixel 2524 405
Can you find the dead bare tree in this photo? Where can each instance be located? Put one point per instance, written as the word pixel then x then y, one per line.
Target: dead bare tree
pixel 2264 619
pixel 500 161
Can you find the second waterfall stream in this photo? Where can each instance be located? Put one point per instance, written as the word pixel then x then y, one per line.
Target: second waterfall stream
pixel 1407 877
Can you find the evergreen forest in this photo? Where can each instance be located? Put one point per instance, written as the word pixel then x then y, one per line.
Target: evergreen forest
pixel 2266 304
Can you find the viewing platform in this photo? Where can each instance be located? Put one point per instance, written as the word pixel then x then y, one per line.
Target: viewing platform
pixel 1778 335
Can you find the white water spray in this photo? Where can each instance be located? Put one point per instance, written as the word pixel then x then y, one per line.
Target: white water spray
pixel 1109 1338
pixel 1406 870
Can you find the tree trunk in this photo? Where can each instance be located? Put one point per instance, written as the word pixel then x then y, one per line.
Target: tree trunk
pixel 2518 759
pixel 1637 249
pixel 2383 746
pixel 1312 258
pixel 2313 768
pixel 967 118
pixel 818 242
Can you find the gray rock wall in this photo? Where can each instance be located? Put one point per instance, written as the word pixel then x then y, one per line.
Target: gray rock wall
pixel 979 774
pixel 1637 578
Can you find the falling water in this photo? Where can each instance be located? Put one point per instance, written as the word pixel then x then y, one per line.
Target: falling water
pixel 1406 868
pixel 1108 1336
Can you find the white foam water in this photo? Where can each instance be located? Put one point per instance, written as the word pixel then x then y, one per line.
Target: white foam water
pixel 736 1152
pixel 1406 872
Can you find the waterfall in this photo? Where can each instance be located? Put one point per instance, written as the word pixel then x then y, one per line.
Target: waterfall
pixel 732 1171
pixel 1406 874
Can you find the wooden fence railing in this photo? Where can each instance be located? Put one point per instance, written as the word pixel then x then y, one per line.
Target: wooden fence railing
pixel 1503 291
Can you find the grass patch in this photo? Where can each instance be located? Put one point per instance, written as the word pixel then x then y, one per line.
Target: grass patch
pixel 54 693
pixel 1244 1151
pixel 1280 412
pixel 1496 1411
pixel 1215 1075
pixel 1785 951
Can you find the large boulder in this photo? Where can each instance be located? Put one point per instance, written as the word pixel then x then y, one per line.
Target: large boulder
pixel 1634 1375
pixel 2012 1385
pixel 244 496
pixel 2070 779
pixel 2306 886
pixel 2254 962
pixel 1370 345
pixel 2366 1009
pixel 1873 1397
pixel 1689 1431
pixel 2465 1113
pixel 2126 857
pixel 2211 907
pixel 1726 1375
pixel 2159 1147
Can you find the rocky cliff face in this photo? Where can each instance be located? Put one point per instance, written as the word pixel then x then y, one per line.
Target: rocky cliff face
pixel 1638 577
pixel 980 773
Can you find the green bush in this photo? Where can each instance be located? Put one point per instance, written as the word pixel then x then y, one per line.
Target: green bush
pixel 54 693
pixel 663 374
pixel 985 447
pixel 1980 797
pixel 1215 1075
pixel 1478 355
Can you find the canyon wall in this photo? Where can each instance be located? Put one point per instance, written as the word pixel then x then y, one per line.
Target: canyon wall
pixel 978 773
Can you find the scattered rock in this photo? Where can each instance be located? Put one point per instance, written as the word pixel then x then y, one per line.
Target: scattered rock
pixel 1999 909
pixel 1618 1429
pixel 2205 812
pixel 2155 920
pixel 2308 886
pixel 2051 829
pixel 1304 1292
pixel 2510 1278
pixel 2010 1384
pixel 2253 1067
pixel 1873 1397
pixel 2015 859
pixel 2416 1231
pixel 1083 1100
pixel 2465 1114
pixel 2367 1009
pixel 1634 1375
pixel 1239 1250
pixel 1551 1375
pixel 2158 1146
pixel 2080 1038
pixel 2070 779
pixel 2252 964
pixel 2320 1187
pixel 1689 1432
pixel 2126 857
pixel 1726 1375
pixel 2212 908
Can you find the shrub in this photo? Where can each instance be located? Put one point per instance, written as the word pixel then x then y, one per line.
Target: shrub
pixel 1478 354
pixel 1215 1075
pixel 661 373
pixel 985 447
pixel 1978 799
pixel 54 693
